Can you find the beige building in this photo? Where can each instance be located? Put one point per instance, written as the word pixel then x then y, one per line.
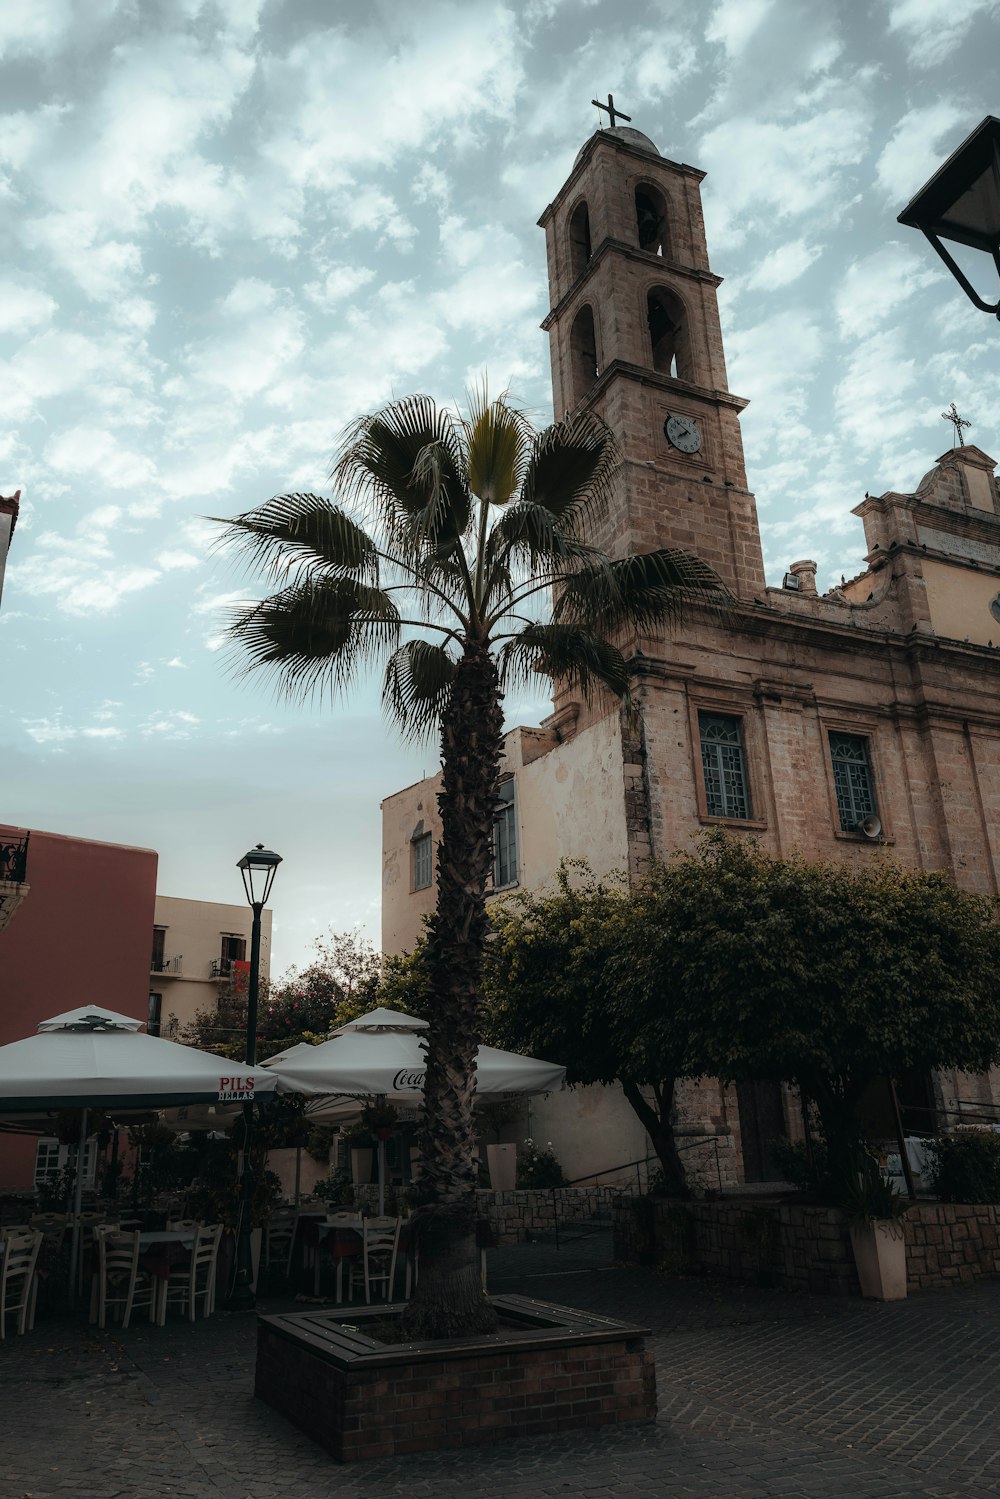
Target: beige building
pixel 196 946
pixel 833 725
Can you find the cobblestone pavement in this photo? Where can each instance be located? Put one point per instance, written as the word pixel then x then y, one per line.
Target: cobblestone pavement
pixel 761 1393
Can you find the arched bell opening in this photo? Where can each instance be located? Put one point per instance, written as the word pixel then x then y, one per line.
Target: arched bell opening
pixel 583 353
pixel 670 348
pixel 651 220
pixel 580 248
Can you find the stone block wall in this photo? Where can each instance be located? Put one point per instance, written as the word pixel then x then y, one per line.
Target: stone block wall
pixel 948 1242
pixel 801 1248
pixel 517 1217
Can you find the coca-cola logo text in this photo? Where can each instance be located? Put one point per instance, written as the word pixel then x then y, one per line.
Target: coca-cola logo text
pixel 408 1082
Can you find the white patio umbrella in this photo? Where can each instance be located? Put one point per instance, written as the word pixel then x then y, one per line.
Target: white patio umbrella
pixel 381 1054
pixel 92 1058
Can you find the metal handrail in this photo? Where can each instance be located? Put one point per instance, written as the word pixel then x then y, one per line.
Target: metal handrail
pixel 628 1165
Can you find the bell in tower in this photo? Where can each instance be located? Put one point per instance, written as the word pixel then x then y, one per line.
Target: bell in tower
pixel 635 336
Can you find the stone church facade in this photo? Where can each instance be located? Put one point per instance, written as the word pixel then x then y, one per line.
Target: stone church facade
pixel 831 725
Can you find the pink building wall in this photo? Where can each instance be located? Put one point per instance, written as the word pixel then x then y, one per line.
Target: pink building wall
pixel 83 934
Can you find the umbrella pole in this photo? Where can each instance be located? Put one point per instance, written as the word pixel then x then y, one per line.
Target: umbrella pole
pixel 298 1175
pixel 74 1251
pixel 381 1178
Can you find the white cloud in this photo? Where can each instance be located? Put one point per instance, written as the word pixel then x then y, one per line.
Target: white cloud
pixel 774 363
pixel 171 560
pixel 83 451
pixel 875 288
pixel 54 731
pixel 176 724
pixel 918 145
pixel 781 266
pixel 734 22
pixel 934 28
pixel 22 306
pixel 762 172
pixel 37 27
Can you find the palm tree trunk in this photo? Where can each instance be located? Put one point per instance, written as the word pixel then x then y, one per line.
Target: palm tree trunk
pixel 449 1300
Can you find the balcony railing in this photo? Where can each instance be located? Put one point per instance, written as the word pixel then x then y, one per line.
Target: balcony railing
pixel 14 860
pixel 165 965
pixel 222 968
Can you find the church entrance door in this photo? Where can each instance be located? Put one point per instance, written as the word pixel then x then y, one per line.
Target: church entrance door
pixel 762 1120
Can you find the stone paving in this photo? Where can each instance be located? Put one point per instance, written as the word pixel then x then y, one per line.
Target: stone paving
pixel 761 1393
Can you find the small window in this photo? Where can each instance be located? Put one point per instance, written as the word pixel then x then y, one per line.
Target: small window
pixel 852 779
pixel 579 239
pixel 423 861
pixel 234 949
pixel 51 1159
pixel 583 353
pixel 159 937
pixel 505 870
pixel 668 336
pixel 651 220
pixel 154 1013
pixel 724 766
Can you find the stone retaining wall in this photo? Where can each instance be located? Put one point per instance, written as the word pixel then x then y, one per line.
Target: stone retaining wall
pixel 801 1248
pixel 518 1217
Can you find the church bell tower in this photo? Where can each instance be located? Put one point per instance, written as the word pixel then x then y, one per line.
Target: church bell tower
pixel 634 335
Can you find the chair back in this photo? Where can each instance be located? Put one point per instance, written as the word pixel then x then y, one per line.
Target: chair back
pixel 20 1253
pixel 205 1248
pixel 175 1225
pixel 53 1228
pixel 117 1252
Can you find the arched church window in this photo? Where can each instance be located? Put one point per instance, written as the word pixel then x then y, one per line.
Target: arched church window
pixel 668 335
pixel 583 353
pixel 651 220
pixel 579 238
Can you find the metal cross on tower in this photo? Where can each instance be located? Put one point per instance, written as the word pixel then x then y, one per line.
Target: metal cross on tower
pixel 615 114
pixel 958 422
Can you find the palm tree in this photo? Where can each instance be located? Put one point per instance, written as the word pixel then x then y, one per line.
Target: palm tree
pixel 469 531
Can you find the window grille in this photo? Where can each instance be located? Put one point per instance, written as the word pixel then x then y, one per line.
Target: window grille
pixel 505 869
pixel 852 779
pixel 154 1014
pixel 423 862
pixel 726 791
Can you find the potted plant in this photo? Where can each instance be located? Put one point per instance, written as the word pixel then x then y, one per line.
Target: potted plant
pixel 875 1215
pixel 380 1119
pixel 359 1144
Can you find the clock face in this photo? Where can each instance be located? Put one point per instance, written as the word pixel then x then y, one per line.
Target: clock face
pixel 682 433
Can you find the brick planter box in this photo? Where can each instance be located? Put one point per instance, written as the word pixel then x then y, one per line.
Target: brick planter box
pixel 549 1369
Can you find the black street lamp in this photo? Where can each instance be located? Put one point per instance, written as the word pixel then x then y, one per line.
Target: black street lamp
pixel 961 203
pixel 258 869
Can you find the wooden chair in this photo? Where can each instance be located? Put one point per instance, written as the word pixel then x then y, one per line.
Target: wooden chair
pixel 380 1245
pixel 339 1256
pixel 53 1227
pixel 182 1225
pixel 119 1281
pixel 88 1222
pixel 278 1238
pixel 197 1279
pixel 18 1282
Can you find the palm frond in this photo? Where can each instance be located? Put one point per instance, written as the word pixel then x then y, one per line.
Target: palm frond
pixel 569 653
pixel 313 635
pixel 417 682
pixel 497 443
pixel 291 530
pixel 404 463
pixel 571 470
pixel 641 592
pixel 534 536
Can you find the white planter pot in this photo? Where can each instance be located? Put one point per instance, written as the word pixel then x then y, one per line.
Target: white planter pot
pixel 502 1161
pixel 880 1255
pixel 361 1167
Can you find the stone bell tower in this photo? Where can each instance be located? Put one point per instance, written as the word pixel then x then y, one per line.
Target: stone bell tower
pixel 634 335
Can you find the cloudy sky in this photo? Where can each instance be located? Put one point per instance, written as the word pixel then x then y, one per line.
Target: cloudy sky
pixel 229 226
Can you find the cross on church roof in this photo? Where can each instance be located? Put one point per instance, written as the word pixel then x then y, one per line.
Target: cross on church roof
pixel 958 422
pixel 615 114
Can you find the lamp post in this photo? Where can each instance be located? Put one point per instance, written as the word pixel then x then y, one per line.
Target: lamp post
pixel 961 203
pixel 258 868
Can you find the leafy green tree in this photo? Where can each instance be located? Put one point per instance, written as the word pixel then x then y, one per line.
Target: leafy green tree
pixel 465 527
pixel 557 985
pixel 827 976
